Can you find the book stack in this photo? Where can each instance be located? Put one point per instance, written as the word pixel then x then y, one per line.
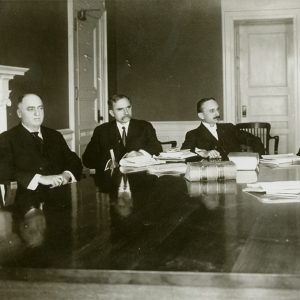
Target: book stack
pixel 210 170
pixel 244 161
pixel 275 191
pixel 175 155
pixel 280 159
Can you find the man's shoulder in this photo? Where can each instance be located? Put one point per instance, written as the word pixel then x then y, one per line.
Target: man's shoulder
pixel 140 122
pixel 50 131
pixel 197 129
pixel 12 131
pixel 226 125
pixel 105 126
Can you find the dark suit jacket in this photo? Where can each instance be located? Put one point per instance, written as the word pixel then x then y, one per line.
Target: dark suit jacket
pixel 20 159
pixel 230 140
pixel 141 135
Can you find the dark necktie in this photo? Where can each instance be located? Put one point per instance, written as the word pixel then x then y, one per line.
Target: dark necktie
pixel 38 141
pixel 124 136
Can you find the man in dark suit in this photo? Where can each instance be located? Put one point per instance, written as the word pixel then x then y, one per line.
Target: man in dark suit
pixel 215 140
pixel 122 136
pixel 35 156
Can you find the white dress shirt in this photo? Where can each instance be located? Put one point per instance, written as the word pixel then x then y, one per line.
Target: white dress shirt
pixel 212 129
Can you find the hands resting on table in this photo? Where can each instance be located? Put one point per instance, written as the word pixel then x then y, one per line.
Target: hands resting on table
pixel 55 180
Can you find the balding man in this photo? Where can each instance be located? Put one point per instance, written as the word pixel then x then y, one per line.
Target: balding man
pixel 33 155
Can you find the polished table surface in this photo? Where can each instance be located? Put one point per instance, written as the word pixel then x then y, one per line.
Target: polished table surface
pixel 154 230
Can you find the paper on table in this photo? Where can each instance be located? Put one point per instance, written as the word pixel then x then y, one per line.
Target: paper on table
pixel 174 155
pixel 244 160
pixel 139 161
pixel 167 169
pixel 275 187
pixel 278 159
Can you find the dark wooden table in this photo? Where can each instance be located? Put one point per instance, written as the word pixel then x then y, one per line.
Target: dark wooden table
pixel 159 238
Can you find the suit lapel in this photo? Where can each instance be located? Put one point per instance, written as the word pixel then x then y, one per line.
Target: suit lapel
pixel 132 130
pixel 206 134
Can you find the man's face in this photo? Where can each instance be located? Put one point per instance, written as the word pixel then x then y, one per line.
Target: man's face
pixel 121 110
pixel 31 111
pixel 210 112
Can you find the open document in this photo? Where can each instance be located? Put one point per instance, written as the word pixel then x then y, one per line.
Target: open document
pixel 139 161
pixel 279 159
pixel 275 191
pixel 175 155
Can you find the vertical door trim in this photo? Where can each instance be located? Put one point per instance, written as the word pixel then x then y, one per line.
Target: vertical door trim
pixel 71 73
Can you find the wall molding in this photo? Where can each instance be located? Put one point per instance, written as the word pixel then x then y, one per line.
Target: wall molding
pixel 173 130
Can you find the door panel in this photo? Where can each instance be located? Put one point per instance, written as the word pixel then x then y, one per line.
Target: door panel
pixel 264 59
pixel 90 77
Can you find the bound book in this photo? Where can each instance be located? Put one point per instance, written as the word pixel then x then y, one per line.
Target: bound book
pixel 210 170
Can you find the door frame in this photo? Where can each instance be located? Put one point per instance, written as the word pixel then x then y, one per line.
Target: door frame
pixel 70 133
pixel 230 19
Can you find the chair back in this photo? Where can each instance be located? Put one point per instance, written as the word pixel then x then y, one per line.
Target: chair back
pixel 261 130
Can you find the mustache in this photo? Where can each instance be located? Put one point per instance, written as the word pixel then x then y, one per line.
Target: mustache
pixel 217 118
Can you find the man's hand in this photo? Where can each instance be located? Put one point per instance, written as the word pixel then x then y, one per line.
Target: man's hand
pixel 210 154
pixel 52 180
pixel 133 153
pixel 66 177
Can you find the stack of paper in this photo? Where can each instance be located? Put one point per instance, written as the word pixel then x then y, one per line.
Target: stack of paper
pixel 176 155
pixel 275 192
pixel 167 169
pixel 275 187
pixel 278 159
pixel 139 161
pixel 244 160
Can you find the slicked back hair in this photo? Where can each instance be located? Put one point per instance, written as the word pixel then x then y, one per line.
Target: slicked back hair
pixel 115 98
pixel 201 102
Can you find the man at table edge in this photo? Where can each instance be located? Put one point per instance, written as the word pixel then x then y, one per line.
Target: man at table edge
pixel 215 140
pixel 22 161
pixel 124 136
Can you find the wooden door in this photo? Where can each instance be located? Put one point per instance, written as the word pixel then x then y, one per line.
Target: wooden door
pixel 265 78
pixel 91 70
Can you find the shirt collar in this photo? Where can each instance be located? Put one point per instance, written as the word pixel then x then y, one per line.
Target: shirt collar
pixel 31 131
pixel 120 125
pixel 209 126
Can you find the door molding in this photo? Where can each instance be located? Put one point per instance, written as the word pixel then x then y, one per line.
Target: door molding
pixel 229 20
pixel 71 71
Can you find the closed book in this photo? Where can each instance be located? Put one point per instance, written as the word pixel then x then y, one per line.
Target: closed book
pixel 210 170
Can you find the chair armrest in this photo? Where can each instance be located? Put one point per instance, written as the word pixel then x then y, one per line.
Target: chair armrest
pixel 276 142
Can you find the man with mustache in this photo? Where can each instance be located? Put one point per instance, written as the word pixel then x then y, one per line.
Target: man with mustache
pixel 35 156
pixel 215 140
pixel 121 136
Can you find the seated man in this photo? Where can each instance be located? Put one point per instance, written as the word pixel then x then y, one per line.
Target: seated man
pixel 122 136
pixel 33 155
pixel 215 140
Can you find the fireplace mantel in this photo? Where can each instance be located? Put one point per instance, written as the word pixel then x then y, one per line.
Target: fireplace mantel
pixel 7 73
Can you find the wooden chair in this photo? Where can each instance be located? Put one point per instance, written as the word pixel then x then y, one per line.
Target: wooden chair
pixel 261 130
